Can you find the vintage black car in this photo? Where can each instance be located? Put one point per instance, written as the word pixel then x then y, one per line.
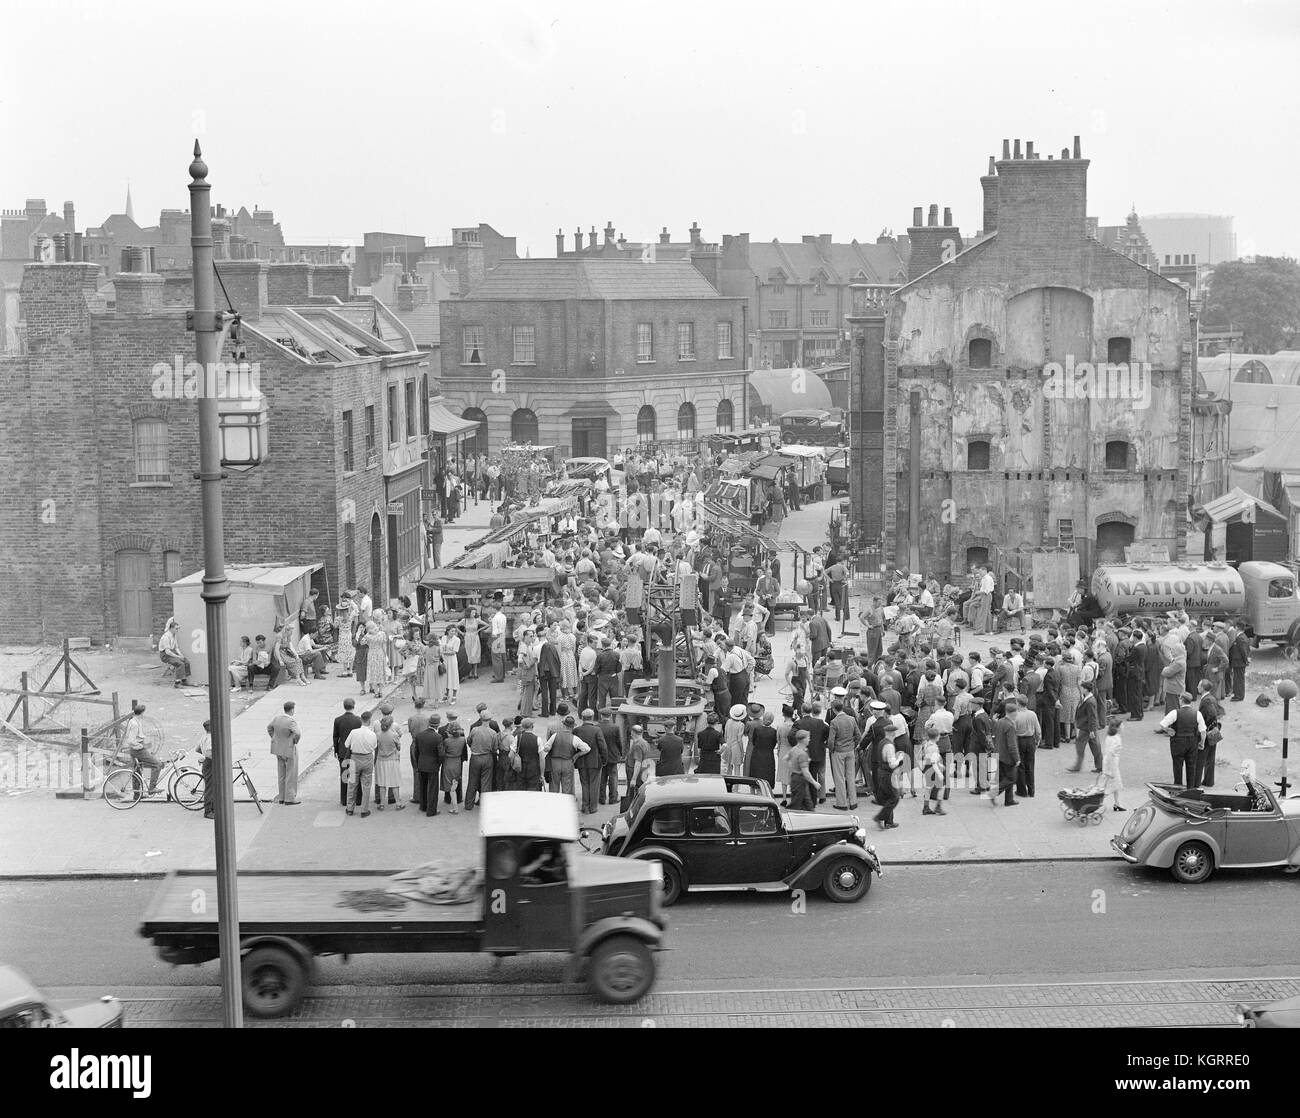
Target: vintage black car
pixel 722 833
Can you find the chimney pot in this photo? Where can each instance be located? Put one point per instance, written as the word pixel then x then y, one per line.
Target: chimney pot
pixel 1065 153
pixel 993 169
pixel 577 239
pixel 1017 150
pixel 559 242
pixel 1006 149
pixel 1077 152
pixel 934 215
pixel 947 216
pixel 664 237
pixel 609 232
pixel 1029 149
pixel 916 217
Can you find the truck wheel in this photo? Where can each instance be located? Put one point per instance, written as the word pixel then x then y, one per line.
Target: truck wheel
pixel 672 882
pixel 846 880
pixel 621 970
pixel 274 981
pixel 1193 863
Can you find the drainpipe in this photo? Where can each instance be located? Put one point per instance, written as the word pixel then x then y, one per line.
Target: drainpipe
pixel 914 483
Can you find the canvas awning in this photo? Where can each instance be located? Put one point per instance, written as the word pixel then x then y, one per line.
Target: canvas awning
pixel 497 578
pixel 766 472
pixel 445 425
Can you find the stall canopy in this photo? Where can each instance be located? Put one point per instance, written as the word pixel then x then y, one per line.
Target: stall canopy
pixel 443 423
pixel 767 471
pixel 497 578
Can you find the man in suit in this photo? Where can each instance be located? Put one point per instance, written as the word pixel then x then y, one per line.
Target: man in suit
pixel 344 724
pixel 527 659
pixel 1238 658
pixel 1049 703
pixel 548 672
pixel 1194 646
pixel 819 638
pixel 590 765
pixel 1087 722
pixel 615 756
pixel 284 734
pixel 607 670
pixel 1007 745
pixel 484 740
pixel 417 722
pixel 426 748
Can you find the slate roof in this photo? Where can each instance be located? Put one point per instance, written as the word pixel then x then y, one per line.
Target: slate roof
pixel 592 279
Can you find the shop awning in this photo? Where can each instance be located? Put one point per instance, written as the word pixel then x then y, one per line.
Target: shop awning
pixel 443 424
pixel 590 409
pixel 497 578
pixel 766 473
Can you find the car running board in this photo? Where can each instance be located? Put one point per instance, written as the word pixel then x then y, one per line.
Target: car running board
pixel 767 887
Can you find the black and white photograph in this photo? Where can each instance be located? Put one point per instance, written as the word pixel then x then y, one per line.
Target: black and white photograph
pixel 757 517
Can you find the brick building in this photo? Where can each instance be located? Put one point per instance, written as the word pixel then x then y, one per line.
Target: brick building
pixel 472 251
pixel 963 450
pixel 26 234
pixel 797 292
pixel 96 465
pixel 592 354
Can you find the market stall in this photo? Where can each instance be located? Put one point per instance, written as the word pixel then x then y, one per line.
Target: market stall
pixel 523 587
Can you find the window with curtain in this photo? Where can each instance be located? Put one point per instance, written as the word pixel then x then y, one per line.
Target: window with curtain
pixel 151 451
pixel 472 338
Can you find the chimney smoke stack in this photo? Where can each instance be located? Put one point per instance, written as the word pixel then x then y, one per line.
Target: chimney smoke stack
pixel 1017 150
pixel 993 169
pixel 577 240
pixel 916 217
pixel 1006 149
pixel 664 236
pixel 934 215
pixel 1078 154
pixel 1065 153
pixel 559 242
pixel 1029 149
pixel 947 216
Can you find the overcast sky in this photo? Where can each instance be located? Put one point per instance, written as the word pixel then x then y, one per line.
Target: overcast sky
pixel 772 119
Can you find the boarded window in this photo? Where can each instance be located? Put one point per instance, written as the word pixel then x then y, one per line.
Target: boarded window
pixel 977 455
pixel 980 353
pixel 1118 454
pixel 1118 350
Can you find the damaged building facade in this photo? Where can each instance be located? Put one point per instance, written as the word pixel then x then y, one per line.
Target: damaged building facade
pixel 1028 388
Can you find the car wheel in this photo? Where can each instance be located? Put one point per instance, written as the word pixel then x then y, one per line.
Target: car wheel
pixel 274 981
pixel 621 970
pixel 846 880
pixel 1193 863
pixel 672 882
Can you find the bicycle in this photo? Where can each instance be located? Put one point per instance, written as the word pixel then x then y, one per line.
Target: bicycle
pixel 124 785
pixel 240 773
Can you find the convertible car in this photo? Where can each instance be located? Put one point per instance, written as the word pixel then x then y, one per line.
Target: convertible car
pixel 1192 832
pixel 724 833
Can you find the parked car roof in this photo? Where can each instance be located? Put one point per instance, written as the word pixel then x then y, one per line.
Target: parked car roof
pixel 696 788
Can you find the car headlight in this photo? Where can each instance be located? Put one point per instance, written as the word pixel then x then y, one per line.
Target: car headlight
pixel 1138 822
pixel 861 835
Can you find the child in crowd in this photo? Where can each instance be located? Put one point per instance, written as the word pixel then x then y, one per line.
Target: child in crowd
pixel 1111 780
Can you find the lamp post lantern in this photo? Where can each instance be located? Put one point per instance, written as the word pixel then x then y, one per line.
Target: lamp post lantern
pixel 216 590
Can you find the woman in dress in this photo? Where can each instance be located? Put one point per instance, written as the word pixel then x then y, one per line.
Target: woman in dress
pixel 1071 694
pixel 450 652
pixel 343 622
pixel 434 680
pixel 472 641
pixel 239 665
pixel 377 654
pixel 361 648
pixel 733 742
pixel 568 660
pixel 1111 780
pixel 760 757
pixel 710 747
pixel 290 661
pixel 388 771
pixel 784 746
pixel 453 757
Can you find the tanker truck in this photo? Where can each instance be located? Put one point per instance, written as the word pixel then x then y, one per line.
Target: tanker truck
pixel 1261 597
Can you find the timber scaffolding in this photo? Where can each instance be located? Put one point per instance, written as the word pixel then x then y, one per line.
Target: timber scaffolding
pixel 42 710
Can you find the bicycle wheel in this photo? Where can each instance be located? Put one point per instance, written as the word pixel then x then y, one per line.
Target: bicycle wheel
pixel 187 789
pixel 123 789
pixel 252 792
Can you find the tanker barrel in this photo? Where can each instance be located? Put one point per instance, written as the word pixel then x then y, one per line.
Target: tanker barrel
pixel 667 678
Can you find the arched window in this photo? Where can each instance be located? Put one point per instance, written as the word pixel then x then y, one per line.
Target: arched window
pixel 645 424
pixel 1253 372
pixel 977 454
pixel 1117 454
pixel 726 417
pixel 980 353
pixel 523 427
pixel 977 557
pixel 1118 350
pixel 686 421
pixel 476 443
pixel 151 451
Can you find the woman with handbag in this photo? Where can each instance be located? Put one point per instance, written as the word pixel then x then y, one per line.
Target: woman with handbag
pixel 361 650
pixel 432 669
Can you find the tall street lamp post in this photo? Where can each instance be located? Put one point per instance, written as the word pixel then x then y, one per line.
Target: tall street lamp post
pixel 216 590
pixel 1287 689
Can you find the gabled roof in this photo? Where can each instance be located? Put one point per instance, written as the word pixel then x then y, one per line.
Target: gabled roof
pixel 1234 503
pixel 592 279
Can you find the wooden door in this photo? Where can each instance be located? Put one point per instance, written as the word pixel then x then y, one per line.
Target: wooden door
pixel 134 594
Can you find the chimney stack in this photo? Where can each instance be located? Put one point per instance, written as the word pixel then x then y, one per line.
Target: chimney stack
pixel 609 234
pixel 696 239
pixel 664 237
pixel 1041 204
pixel 559 242
pixel 577 239
pixel 1006 149
pixel 245 282
pixel 331 280
pixel 1017 150
pixel 1078 154
pixel 931 242
pixel 989 184
pixel 290 284
pixel 1065 153
pixel 594 241
pixel 1029 150
pixel 70 217
pixel 138 291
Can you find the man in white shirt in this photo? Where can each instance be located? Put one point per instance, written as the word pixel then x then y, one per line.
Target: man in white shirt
pixel 312 657
pixel 651 537
pixel 984 614
pixel 359 750
pixel 169 652
pixel 925 603
pixel 140 750
pixel 498 637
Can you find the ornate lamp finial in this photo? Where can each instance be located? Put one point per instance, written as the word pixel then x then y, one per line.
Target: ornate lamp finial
pixel 198 169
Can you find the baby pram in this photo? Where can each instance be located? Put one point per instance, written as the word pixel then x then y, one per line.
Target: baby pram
pixel 1082 805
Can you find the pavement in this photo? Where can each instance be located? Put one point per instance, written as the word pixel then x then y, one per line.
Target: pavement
pixel 88 838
